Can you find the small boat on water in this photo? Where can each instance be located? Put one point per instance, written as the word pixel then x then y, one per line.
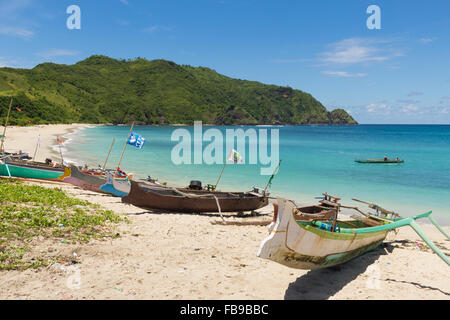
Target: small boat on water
pixel 192 200
pixel 316 243
pixel 384 160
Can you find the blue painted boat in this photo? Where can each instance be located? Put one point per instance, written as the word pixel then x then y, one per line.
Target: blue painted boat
pixel 118 188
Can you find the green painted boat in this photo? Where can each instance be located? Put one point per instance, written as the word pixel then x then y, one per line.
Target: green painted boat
pixel 31 170
pixel 313 244
pixel 385 160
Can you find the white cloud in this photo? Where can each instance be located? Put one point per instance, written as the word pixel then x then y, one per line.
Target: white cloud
pixel 16 62
pixel 359 50
pixel 408 101
pixel 445 99
pixel 410 108
pixel 12 23
pixel 9 8
pixel 156 28
pixel 16 31
pixel 344 74
pixel 58 53
pixel 294 60
pixel 426 40
pixel 378 108
pixel 125 2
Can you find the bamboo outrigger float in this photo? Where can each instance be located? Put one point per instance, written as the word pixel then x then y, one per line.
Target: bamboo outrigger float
pixel 313 244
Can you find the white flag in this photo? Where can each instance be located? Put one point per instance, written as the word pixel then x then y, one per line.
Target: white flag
pixel 234 157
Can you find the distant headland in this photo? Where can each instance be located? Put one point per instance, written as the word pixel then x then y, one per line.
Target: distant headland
pixel 100 89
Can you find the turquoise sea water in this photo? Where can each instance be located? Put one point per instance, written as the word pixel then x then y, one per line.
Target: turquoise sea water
pixel 315 159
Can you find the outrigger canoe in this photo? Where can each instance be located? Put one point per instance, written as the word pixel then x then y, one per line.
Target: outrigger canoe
pixel 88 181
pixel 83 180
pixel 190 200
pixel 313 244
pixel 31 170
pixel 379 161
pixel 118 188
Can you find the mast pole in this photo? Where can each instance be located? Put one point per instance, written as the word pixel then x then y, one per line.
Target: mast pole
pixel 6 124
pixel 107 157
pixel 220 176
pixel 37 145
pixel 271 177
pixel 60 152
pixel 125 146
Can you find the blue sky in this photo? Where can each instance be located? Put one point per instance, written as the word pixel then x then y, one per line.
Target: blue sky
pixel 398 74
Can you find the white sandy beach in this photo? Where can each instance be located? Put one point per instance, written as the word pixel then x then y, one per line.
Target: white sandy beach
pixel 184 256
pixel 25 139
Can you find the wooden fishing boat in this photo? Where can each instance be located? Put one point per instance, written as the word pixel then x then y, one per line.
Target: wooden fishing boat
pixel 385 160
pixel 189 200
pixel 85 181
pixel 118 188
pixel 313 244
pixel 16 156
pixel 327 209
pixel 31 169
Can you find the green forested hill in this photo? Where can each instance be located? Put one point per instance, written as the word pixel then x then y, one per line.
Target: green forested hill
pixel 104 90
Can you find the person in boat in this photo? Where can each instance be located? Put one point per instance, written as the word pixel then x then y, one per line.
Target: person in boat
pixel 385 158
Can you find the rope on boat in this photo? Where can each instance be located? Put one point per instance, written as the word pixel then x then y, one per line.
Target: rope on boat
pixel 218 206
pixel 190 195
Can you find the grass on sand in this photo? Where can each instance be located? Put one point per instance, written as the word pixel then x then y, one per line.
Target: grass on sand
pixel 30 213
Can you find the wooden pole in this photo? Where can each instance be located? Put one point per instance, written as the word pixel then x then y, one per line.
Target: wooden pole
pixel 106 160
pixel 60 152
pixel 37 145
pixel 125 146
pixel 271 177
pixel 220 176
pixel 6 124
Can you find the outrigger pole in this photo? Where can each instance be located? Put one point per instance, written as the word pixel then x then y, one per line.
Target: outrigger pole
pixel 125 146
pixel 401 223
pixel 6 124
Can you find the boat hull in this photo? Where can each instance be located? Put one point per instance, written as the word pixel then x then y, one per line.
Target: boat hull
pixel 201 202
pixel 307 247
pixel 379 161
pixel 20 170
pixel 85 181
pixel 118 188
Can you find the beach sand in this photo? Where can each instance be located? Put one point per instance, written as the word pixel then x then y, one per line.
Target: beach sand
pixel 185 256
pixel 25 139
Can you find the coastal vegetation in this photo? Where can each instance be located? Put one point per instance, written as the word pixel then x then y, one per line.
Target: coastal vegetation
pixel 30 214
pixel 100 89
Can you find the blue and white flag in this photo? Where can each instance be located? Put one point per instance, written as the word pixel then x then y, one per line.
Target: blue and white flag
pixel 136 140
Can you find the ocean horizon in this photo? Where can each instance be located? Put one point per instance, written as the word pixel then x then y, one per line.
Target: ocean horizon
pixel 315 159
